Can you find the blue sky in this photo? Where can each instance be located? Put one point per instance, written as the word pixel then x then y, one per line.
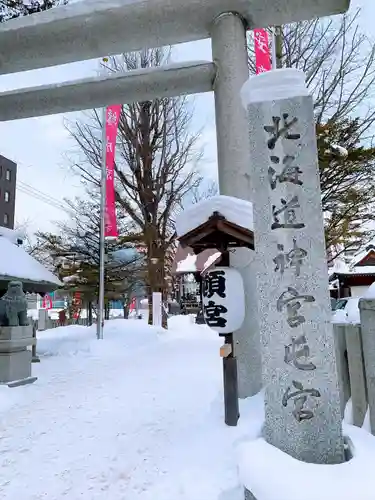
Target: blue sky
pixel 38 145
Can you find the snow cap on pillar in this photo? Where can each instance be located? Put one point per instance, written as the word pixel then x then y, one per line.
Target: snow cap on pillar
pixel 274 85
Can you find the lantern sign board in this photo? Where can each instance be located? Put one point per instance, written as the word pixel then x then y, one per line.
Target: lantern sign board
pixel 223 300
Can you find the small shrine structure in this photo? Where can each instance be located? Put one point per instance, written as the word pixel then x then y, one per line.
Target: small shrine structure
pixel 17 265
pixel 352 278
pixel 186 270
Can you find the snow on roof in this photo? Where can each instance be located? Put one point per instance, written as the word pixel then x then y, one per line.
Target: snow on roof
pixel 188 265
pixel 16 263
pixel 11 234
pixel 182 253
pixel 359 256
pixel 353 270
pixel 340 267
pixel 361 270
pixel 211 261
pixel 235 210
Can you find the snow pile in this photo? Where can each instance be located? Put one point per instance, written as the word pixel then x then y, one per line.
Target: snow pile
pixel 352 311
pixel 184 327
pixel 12 235
pixel 136 416
pixel 139 415
pixel 33 314
pixel 16 263
pixel 350 314
pixel 235 210
pixel 260 461
pixel 72 340
pixel 339 317
pixel 188 265
pixel 370 292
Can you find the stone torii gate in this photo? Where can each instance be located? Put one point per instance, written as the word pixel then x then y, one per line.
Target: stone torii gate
pixel 94 28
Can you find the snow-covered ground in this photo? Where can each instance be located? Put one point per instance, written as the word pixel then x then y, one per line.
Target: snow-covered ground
pixel 138 415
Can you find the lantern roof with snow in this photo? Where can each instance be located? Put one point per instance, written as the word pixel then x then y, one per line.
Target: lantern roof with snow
pixel 221 222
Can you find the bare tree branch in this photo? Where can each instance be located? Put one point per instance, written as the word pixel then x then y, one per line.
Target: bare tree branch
pixel 156 162
pixel 339 63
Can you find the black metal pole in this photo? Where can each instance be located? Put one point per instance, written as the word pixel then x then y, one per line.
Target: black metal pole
pixel 231 407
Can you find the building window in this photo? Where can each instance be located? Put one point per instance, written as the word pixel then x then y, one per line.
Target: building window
pixel 7 175
pixel 6 219
pixel 7 196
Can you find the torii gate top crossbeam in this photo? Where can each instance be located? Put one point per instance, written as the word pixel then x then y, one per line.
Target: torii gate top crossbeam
pixel 94 28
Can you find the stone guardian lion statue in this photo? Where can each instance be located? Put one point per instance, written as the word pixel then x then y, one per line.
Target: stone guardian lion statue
pixel 13 306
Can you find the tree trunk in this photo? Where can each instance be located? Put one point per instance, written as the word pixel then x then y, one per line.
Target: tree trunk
pixel 106 311
pixel 125 307
pixel 89 313
pixel 149 298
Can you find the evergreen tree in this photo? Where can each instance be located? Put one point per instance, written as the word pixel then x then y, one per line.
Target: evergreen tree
pixel 347 180
pixel 74 252
pixel 338 61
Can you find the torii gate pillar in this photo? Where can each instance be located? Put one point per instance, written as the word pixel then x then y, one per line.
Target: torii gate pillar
pixel 229 51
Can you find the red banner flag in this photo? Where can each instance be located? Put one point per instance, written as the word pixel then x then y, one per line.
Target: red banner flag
pixel 111 126
pixel 47 302
pixel 132 304
pixel 262 51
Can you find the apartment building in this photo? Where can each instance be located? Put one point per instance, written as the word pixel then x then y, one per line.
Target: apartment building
pixel 8 179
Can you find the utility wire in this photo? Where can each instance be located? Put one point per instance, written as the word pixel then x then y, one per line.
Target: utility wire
pixel 40 197
pixel 37 191
pixel 43 197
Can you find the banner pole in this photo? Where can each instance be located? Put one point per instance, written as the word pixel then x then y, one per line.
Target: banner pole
pixel 100 313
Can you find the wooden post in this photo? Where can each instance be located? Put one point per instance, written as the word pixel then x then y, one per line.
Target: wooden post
pixel 230 378
pixel 231 407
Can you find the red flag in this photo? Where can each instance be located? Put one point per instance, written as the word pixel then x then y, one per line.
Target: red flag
pixel 111 126
pixel 132 304
pixel 262 51
pixel 47 302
